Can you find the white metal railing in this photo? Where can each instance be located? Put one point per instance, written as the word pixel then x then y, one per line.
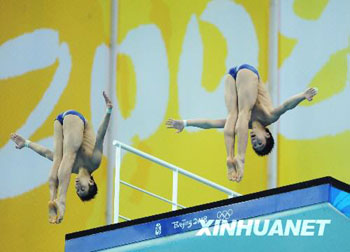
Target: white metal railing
pixel 176 170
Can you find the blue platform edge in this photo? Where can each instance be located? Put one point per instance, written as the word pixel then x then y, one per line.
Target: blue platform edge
pixel 190 221
pixel 340 200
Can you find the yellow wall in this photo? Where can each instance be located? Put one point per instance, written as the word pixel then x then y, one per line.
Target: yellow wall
pixel 201 152
pixel 154 43
pixel 81 27
pixel 314 52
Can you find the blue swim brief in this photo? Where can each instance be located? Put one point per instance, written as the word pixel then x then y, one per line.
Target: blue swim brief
pixel 61 116
pixel 233 71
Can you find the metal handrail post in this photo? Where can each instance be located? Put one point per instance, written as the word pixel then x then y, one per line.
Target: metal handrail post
pixel 174 168
pixel 117 183
pixel 175 189
pixel 175 171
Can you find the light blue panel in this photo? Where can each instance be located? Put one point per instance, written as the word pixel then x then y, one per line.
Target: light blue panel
pixel 264 205
pixel 336 236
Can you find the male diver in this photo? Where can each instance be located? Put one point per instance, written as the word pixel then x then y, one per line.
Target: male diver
pixel 249 107
pixel 76 150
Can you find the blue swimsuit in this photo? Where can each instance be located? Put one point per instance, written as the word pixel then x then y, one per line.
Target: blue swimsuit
pixel 61 116
pixel 233 71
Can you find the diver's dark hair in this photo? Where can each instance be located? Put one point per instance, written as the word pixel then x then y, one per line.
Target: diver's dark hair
pixel 91 193
pixel 270 142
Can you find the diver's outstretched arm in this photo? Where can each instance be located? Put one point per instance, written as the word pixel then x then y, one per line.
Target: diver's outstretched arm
pixel 98 149
pixel 41 150
pixel 292 102
pixel 199 123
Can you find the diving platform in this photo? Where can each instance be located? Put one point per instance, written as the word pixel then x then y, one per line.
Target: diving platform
pixel 307 216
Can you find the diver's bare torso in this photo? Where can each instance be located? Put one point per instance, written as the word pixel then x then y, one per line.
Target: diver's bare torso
pixel 260 115
pixel 84 155
pixel 262 110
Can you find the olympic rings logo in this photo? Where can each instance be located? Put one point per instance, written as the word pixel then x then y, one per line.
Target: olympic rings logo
pixel 158 229
pixel 225 214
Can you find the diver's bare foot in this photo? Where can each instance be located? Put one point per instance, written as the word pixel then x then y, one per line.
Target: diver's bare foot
pixel 19 140
pixel 61 209
pixel 52 212
pixel 239 169
pixel 231 169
